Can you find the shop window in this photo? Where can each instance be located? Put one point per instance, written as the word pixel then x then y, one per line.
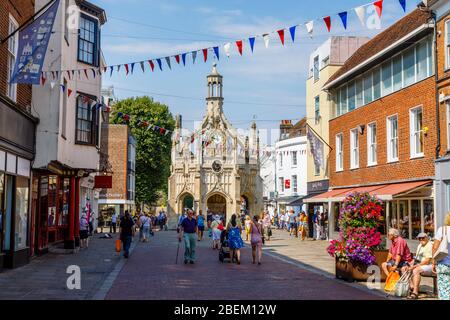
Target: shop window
pixel 52 194
pixel 403 218
pixel 428 212
pixel 64 203
pixel 393 222
pixel 2 207
pixel 336 213
pixel 416 221
pixel 21 213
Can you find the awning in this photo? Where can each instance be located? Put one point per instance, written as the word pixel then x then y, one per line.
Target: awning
pixel 291 201
pixel 384 192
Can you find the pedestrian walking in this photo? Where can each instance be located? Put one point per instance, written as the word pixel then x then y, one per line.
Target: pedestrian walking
pixel 266 226
pixel 316 226
pixel 113 226
pixel 322 221
pixel 188 231
pixel 144 225
pixel 201 225
pixel 256 240
pixel 216 232
pixel 126 230
pixel 441 262
pixel 247 224
pixel 84 231
pixel 141 227
pixel 293 223
pixel 234 238
pixel 303 225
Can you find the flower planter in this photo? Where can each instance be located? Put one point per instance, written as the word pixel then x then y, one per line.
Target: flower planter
pixel 350 271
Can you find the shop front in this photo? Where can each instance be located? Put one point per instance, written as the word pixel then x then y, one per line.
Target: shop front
pixel 408 207
pixel 315 188
pixel 17 141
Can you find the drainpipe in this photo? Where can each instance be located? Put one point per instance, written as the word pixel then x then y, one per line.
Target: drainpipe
pixel 436 77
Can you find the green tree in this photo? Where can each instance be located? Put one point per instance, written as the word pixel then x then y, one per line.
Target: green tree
pixel 152 148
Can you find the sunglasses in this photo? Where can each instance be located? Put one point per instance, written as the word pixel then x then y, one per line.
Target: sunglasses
pixel 421 239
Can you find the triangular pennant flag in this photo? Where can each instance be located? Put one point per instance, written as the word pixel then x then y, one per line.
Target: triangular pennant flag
pixel 105 69
pixel 162 130
pixel 205 54
pixel 52 84
pixel 63 87
pixel 68 74
pixel 127 70
pixel 177 58
pixel 57 74
pixel 194 56
pixel 239 46
pixel 99 70
pixel 86 74
pixel 142 66
pixel 43 79
pixel 379 7
pixel 69 92
pixel 79 74
pixel 310 27
pixel 93 72
pixel 343 16
pixel 168 62
pixel 227 47
pixel 292 32
pixel 361 13
pixel 53 75
pixel 216 52
pixel 252 43
pixel 73 73
pixel 403 4
pixel 159 64
pixel 266 38
pixel 118 68
pixel 112 69
pixel 281 34
pixel 183 57
pixel 132 68
pixel 327 21
pixel 152 65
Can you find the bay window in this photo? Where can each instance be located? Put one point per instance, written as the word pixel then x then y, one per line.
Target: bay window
pixel 87 127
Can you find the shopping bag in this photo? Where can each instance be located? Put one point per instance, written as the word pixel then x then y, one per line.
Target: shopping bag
pixel 391 281
pixel 402 286
pixel 118 245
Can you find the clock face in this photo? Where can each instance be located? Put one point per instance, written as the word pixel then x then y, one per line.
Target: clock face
pixel 217 166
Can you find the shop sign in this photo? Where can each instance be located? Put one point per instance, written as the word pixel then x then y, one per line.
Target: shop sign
pixel 287 184
pixel 103 182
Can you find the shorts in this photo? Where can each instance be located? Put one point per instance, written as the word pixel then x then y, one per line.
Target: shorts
pixel 201 228
pixel 293 225
pixel 84 234
pixel 391 263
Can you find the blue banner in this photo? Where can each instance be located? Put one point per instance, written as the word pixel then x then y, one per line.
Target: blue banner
pixel 33 43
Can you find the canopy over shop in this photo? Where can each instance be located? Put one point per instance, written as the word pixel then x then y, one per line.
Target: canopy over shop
pixel 408 206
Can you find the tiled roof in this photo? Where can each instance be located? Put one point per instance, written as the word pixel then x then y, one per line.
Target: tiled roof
pixel 384 39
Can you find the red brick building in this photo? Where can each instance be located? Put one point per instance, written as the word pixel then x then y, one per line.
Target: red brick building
pixel 17 142
pixel 118 144
pixel 383 131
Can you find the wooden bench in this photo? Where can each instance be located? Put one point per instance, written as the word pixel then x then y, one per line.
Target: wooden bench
pixel 433 276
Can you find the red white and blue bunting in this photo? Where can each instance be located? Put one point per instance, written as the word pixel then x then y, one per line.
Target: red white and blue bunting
pixel 90 73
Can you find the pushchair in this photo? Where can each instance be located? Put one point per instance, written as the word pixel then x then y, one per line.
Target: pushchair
pixel 224 252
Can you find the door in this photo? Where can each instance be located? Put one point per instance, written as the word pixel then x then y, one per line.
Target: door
pixel 8 212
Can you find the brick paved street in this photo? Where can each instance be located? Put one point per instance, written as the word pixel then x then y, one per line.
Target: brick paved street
pixel 45 277
pixel 151 273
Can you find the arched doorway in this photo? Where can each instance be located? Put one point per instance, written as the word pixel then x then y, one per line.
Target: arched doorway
pixel 217 204
pixel 187 201
pixel 244 205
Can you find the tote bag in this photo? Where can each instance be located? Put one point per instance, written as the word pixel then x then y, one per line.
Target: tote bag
pixel 442 251
pixel 402 285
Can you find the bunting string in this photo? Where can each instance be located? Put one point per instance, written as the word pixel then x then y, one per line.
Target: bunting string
pixel 359 11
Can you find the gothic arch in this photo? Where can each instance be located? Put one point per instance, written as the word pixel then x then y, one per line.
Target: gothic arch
pixel 181 200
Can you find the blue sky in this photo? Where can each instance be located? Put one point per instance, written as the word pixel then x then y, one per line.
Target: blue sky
pixel 142 29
